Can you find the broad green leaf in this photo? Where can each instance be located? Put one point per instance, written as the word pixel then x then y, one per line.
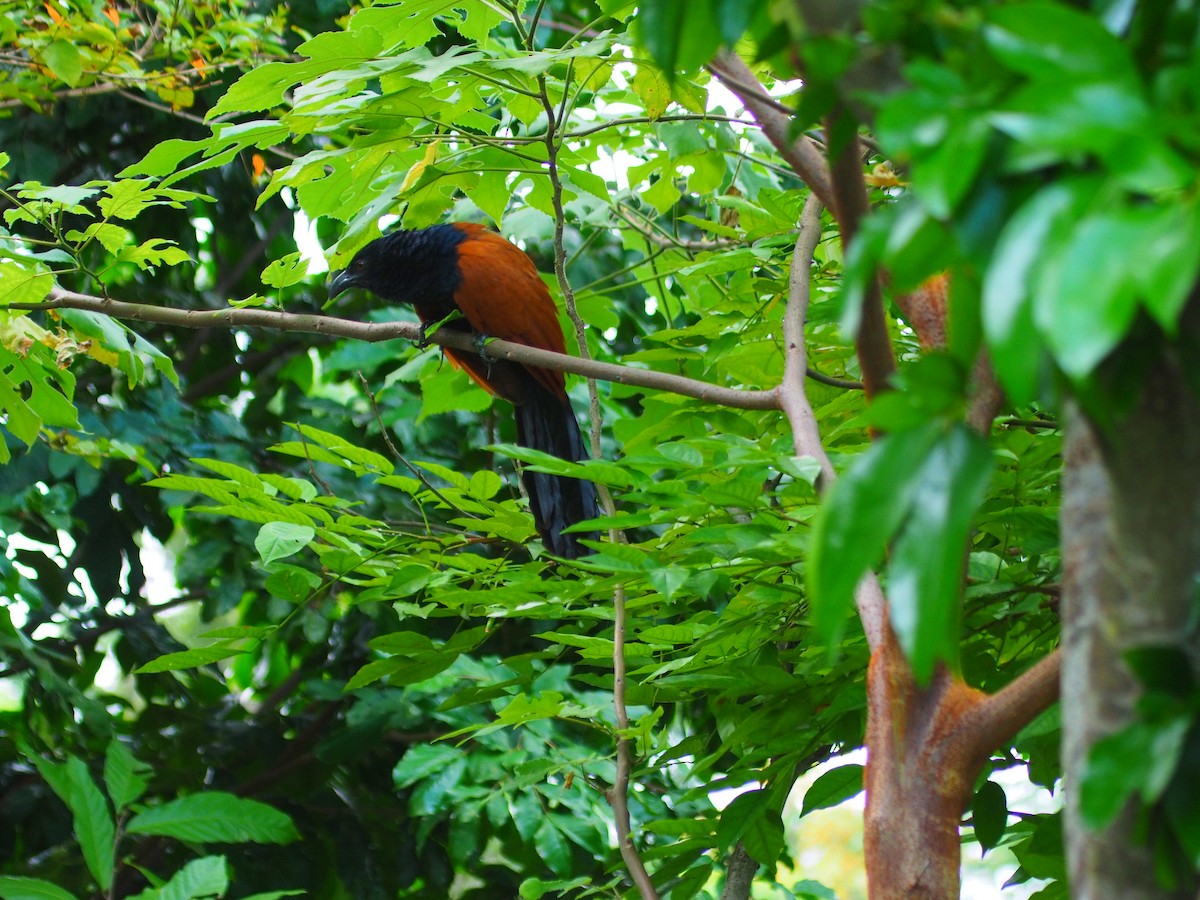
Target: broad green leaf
pixel 90 814
pixel 423 760
pixel 1009 284
pixel 553 847
pixel 679 36
pixel 1167 274
pixel 291 269
pixel 926 568
pixel 62 58
pixel 204 877
pixel 738 817
pixel 536 888
pixel 862 512
pixel 278 540
pixel 1048 41
pixel 989 814
pixel 111 237
pixel 1115 771
pixel 1087 301
pixel 833 787
pixel 213 817
pixel 164 157
pixel 23 284
pixel 291 583
pixel 125 776
pixel 154 252
pixel 17 888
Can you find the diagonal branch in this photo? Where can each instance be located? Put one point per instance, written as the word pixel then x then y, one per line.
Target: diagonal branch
pixel 776 121
pixel 998 717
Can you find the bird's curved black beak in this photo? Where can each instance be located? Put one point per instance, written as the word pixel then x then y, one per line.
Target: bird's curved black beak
pixel 342 281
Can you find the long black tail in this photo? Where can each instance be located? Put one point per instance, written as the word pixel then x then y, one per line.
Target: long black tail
pixel 546 423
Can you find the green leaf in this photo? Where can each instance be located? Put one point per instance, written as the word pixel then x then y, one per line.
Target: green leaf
pixel 743 814
pixel 93 822
pixel 15 888
pixel 278 540
pixel 216 817
pixel 111 237
pixel 62 58
pixel 125 776
pixel 190 659
pixel 1008 318
pixel 679 36
pixel 989 814
pixel 154 252
pixel 204 877
pixel 536 888
pixel 423 760
pixel 1166 277
pixel 289 270
pixel 926 569
pixel 833 787
pixel 862 512
pixel 1138 760
pixel 1048 41
pixel 553 847
pixel 23 283
pixel 1088 299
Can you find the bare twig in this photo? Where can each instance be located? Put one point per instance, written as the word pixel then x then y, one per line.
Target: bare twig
pixel 618 794
pixel 871 343
pixel 801 153
pixel 793 400
pixel 386 331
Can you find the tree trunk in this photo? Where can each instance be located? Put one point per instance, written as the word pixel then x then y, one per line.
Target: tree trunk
pixel 920 772
pixel 1131 558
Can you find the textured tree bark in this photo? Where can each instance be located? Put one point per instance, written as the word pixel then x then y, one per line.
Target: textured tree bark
pixel 920 771
pixel 1131 556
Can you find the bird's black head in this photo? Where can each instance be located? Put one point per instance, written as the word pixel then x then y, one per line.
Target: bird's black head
pixel 418 267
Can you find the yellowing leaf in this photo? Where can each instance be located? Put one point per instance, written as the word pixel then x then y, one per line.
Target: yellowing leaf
pixel 418 168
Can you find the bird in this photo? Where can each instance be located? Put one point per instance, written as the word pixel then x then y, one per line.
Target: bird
pixel 465 268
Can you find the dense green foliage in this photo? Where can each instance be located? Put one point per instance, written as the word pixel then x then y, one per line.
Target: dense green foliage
pixel 365 634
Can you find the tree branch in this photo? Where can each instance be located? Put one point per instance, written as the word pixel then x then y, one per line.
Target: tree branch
pixel 1001 715
pixel 618 794
pixel 793 401
pixel 871 343
pixel 739 874
pixel 310 323
pixel 775 120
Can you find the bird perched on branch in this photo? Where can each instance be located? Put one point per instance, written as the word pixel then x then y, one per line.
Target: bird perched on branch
pixel 465 268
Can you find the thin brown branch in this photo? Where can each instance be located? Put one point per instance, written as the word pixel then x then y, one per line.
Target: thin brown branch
pixel 618 794
pixel 871 343
pixel 1000 716
pixel 793 400
pixel 309 323
pixel 801 153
